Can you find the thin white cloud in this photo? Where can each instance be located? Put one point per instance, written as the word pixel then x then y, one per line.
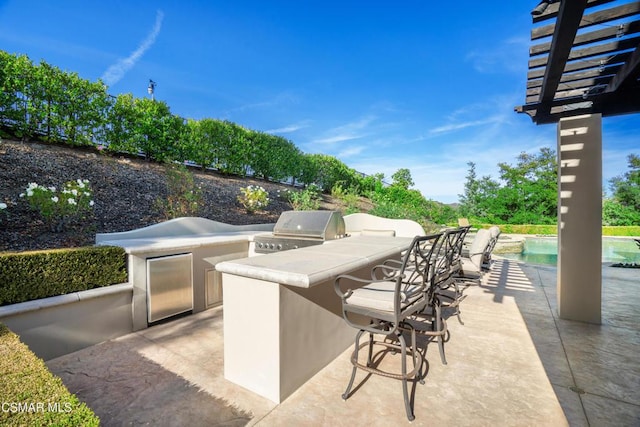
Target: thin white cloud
pixel 337 138
pixel 462 125
pixel 116 71
pixel 346 132
pixel 286 129
pixel 280 99
pixel 356 125
pixel 289 129
pixel 496 111
pixel 351 151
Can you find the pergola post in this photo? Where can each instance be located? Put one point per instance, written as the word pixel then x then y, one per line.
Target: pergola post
pixel 579 284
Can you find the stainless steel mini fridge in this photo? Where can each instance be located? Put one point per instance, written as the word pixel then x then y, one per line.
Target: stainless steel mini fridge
pixel 169 286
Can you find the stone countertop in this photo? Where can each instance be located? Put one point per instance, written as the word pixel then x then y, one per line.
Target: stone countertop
pixel 163 243
pixel 309 266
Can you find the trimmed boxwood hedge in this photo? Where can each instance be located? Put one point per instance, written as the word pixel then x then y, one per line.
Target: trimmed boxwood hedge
pixel 26 276
pixel 30 394
pixel 552 229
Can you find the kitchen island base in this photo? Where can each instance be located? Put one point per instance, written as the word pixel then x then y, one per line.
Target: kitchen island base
pixel 281 336
pixel 282 317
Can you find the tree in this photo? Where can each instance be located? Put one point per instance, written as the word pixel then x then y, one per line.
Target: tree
pixel 204 141
pixel 527 193
pixel 236 150
pixel 402 178
pixel 20 92
pixel 326 171
pixel 624 207
pixel 616 214
pixel 479 198
pixel 121 118
pixel 469 201
pixel 626 188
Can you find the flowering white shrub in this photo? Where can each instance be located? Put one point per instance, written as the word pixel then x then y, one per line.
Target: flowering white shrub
pixel 253 198
pixel 59 208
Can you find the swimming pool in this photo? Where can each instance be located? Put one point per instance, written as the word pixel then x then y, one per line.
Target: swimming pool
pixel 544 250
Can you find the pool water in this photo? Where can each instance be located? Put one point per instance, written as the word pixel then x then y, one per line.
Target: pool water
pixel 544 250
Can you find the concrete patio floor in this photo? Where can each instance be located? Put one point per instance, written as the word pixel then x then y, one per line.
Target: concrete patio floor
pixel 513 362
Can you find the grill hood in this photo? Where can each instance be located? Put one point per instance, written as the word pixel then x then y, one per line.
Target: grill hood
pixel 323 225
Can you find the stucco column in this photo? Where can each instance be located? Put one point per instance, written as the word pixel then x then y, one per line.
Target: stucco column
pixel 579 284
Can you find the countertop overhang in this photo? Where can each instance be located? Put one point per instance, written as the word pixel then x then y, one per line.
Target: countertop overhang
pixel 307 267
pixel 163 243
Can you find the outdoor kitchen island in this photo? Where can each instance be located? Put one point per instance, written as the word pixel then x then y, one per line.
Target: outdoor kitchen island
pixel 282 317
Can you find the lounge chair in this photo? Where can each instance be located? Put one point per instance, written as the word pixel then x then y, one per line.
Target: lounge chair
pixel 494 233
pixel 471 264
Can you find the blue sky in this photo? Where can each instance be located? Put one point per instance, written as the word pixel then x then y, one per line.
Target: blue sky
pixel 423 85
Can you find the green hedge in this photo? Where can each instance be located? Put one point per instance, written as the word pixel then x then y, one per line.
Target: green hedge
pixel 552 229
pixel 629 230
pixel 28 276
pixel 31 394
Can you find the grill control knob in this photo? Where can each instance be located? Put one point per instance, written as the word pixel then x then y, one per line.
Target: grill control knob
pixel 279 247
pixel 260 245
pixel 272 246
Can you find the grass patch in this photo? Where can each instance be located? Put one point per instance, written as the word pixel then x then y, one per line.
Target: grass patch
pixel 31 394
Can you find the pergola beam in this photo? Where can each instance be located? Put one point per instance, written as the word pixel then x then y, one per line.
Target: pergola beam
pixel 585 74
pixel 580 85
pixel 569 18
pixel 628 73
pixel 592 37
pixel 552 9
pixel 617 46
pixel 627 103
pixel 589 71
pixel 585 64
pixel 595 18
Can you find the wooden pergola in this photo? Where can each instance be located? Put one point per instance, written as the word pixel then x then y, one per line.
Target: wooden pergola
pixel 591 64
pixel 584 65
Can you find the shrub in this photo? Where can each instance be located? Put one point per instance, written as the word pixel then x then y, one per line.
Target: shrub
pixel 284 195
pixel 43 398
pixel 348 197
pixel 253 198
pixel 59 208
pixel 305 200
pixel 615 213
pixel 40 274
pixel 184 198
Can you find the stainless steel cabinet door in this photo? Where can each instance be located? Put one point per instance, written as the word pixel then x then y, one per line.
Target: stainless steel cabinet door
pixel 169 286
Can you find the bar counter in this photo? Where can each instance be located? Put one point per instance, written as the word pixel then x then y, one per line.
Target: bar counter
pixel 282 317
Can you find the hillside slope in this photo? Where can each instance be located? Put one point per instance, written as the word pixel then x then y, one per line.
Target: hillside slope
pixel 125 193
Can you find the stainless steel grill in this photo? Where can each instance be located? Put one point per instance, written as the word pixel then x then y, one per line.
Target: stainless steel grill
pixel 298 229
